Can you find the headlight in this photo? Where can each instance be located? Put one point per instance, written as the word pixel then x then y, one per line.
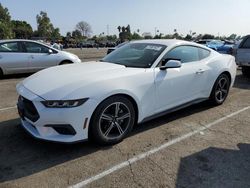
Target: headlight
pixel 64 103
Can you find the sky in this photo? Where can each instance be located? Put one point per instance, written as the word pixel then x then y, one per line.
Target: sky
pixel 217 17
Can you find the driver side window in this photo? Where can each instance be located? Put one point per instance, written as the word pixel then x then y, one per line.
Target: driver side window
pixel 32 47
pixel 184 54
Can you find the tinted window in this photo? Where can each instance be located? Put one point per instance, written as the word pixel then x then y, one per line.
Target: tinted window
pixel 32 47
pixel 184 54
pixel 141 55
pixel 246 43
pixel 203 53
pixel 9 47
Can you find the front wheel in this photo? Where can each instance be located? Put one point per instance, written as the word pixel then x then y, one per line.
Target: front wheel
pixel 65 63
pixel 112 120
pixel 220 89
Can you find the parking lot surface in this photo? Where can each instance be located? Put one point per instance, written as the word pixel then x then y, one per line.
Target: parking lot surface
pixel 199 146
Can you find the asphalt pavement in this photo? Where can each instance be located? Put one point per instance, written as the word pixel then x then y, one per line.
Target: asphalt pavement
pixel 199 146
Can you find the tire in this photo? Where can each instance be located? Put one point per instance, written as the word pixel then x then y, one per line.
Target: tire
pixel 65 62
pixel 220 90
pixel 1 73
pixel 246 71
pixel 112 121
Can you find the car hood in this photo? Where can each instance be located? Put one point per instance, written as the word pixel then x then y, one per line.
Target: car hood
pixel 68 54
pixel 57 83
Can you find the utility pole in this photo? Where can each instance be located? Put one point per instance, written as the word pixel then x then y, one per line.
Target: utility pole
pixel 107 29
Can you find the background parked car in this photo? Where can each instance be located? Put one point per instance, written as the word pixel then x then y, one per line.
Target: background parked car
pixel 243 55
pixel 204 41
pixel 118 46
pixel 236 46
pixel 224 47
pixel 25 56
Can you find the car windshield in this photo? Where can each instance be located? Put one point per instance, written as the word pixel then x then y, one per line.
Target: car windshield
pixel 139 55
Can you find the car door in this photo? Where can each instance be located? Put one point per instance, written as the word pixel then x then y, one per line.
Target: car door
pixel 12 57
pixel 177 86
pixel 243 52
pixel 40 56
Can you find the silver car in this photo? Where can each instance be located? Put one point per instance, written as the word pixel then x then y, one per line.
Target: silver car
pixel 26 56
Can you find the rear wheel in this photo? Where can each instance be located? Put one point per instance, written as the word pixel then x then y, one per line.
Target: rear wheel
pixel 220 89
pixel 112 121
pixel 246 71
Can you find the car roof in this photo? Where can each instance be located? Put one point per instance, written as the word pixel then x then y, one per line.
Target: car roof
pixel 14 40
pixel 170 42
pixel 24 40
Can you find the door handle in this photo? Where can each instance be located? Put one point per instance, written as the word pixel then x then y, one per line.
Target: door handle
pixel 200 71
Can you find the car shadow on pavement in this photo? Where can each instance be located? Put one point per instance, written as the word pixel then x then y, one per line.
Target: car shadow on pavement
pixel 242 82
pixel 216 167
pixel 21 155
pixel 193 109
pixel 15 76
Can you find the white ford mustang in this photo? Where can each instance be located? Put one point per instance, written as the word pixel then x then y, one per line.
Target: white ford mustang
pixel 135 83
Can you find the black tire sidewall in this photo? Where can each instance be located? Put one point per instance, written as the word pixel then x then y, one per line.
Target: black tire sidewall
pixel 246 71
pixel 95 132
pixel 212 96
pixel 1 73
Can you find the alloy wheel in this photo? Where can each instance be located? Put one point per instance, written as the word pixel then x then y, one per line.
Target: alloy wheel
pixel 115 120
pixel 221 90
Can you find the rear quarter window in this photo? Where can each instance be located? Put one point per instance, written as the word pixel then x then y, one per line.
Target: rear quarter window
pixel 203 53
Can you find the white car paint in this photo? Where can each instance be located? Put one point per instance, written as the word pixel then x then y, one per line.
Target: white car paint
pixel 26 62
pixel 153 90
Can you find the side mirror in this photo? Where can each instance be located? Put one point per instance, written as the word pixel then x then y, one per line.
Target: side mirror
pixel 171 64
pixel 50 51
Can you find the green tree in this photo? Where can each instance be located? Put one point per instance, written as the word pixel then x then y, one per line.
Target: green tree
pixel 44 26
pixel 77 35
pixel 111 38
pixel 135 36
pixel 188 37
pixel 5 23
pixel 55 35
pixel 21 29
pixel 68 34
pixel 208 36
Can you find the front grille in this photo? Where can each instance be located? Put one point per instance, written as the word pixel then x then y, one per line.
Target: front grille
pixel 29 110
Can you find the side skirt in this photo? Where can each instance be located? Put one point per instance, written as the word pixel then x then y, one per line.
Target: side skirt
pixel 173 109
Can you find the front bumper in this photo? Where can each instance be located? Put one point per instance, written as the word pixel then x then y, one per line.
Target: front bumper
pixel 77 60
pixel 46 126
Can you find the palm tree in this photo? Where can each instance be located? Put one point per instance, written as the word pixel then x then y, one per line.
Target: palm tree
pixel 119 28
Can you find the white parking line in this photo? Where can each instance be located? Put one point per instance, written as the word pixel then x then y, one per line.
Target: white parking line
pixel 152 151
pixel 7 108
